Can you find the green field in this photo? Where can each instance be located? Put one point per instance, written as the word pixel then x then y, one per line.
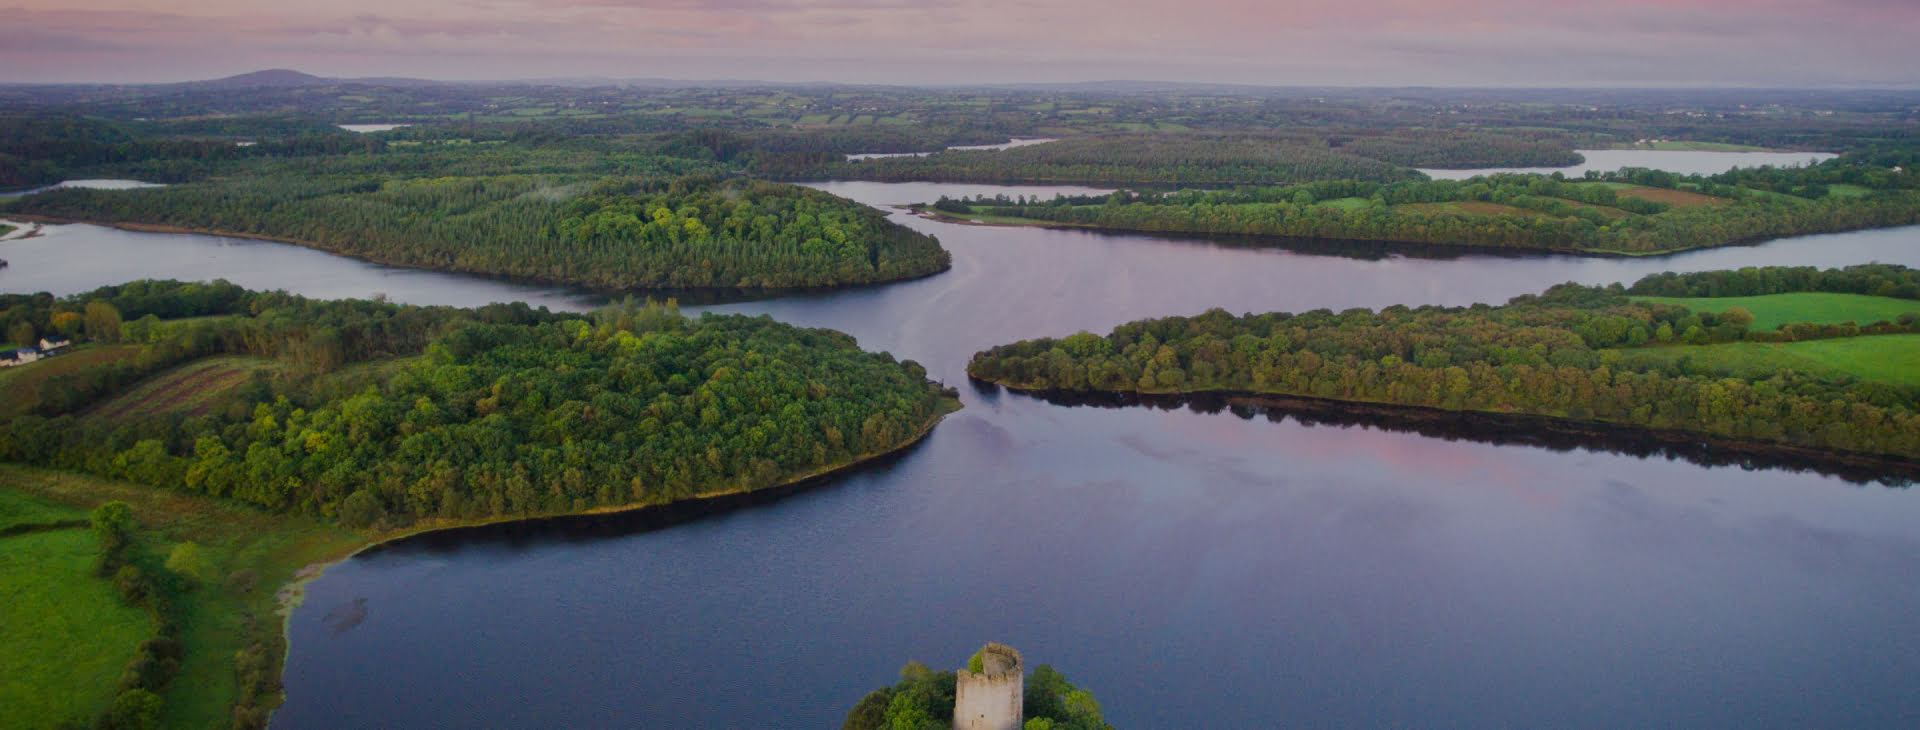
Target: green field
pixel 20 509
pixel 249 555
pixel 1893 359
pixel 1345 203
pixel 1773 310
pixel 64 634
pixel 1843 190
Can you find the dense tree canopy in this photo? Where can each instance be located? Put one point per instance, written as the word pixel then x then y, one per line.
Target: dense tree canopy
pixel 1573 352
pixel 391 414
pixel 610 232
pixel 1632 211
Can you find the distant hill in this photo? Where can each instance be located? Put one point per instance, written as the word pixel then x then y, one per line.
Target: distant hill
pixel 269 77
pixel 289 78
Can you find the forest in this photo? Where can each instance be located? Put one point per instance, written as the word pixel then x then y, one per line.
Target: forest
pixel 1574 352
pixel 693 231
pixel 386 415
pixel 1632 211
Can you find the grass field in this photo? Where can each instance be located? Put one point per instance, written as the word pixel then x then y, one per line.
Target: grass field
pixel 64 634
pixel 1773 310
pixel 20 509
pixel 20 385
pixel 191 389
pixel 1843 190
pixel 1345 203
pixel 1893 359
pixel 220 618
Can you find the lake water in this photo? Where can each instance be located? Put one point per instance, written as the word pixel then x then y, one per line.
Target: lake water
pixel 88 184
pixel 1007 145
pixel 365 128
pixel 1193 569
pixel 1678 161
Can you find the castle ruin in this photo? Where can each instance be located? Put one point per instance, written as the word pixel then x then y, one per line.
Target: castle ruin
pixel 991 698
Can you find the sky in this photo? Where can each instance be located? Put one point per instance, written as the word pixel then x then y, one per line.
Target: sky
pixel 1276 42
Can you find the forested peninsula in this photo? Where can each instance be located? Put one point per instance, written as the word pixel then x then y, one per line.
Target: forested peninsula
pixel 695 232
pixel 1214 158
pixel 326 424
pixel 1780 356
pixel 1630 212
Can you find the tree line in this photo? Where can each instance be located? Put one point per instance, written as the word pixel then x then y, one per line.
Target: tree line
pixel 1604 212
pixel 1567 353
pixel 606 232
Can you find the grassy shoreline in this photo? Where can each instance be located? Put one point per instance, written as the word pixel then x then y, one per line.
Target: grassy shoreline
pixel 276 556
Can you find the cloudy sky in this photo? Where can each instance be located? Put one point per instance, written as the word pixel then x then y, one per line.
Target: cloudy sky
pixel 1344 42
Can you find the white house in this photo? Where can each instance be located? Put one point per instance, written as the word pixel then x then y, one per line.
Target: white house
pixel 22 356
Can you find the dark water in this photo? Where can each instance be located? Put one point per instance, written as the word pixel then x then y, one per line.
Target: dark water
pixel 1193 569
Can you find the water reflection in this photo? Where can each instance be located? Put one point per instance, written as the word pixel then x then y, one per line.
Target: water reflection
pixel 1505 430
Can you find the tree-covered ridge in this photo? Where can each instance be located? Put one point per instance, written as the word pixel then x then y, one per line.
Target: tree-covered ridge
pixel 1574 352
pixel 1631 211
pixel 1143 159
pixel 475 414
pixel 1461 149
pixel 623 232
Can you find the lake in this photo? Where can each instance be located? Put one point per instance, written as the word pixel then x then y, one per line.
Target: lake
pixel 1191 568
pixel 365 128
pixel 1685 162
pixel 1007 145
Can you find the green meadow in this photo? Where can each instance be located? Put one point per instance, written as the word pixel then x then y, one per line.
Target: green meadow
pixel 1891 359
pixel 1772 310
pixel 65 635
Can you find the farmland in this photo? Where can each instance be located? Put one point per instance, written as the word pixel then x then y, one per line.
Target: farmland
pixel 1772 310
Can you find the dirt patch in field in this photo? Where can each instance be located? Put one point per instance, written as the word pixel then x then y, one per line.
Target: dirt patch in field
pixel 182 390
pixel 1471 207
pixel 1675 198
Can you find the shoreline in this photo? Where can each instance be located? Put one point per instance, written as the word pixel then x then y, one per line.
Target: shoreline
pixel 1500 428
pixel 923 210
pixel 690 295
pixel 291 594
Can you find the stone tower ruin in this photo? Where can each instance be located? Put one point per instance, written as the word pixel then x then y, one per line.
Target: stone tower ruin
pixel 991 698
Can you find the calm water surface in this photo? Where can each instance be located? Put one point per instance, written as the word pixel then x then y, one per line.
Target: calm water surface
pixel 1680 161
pixel 1193 569
pixel 1007 145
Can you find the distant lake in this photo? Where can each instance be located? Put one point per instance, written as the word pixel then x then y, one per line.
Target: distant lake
pixel 1193 567
pixel 364 128
pixel 1010 144
pixel 101 184
pixel 1676 161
